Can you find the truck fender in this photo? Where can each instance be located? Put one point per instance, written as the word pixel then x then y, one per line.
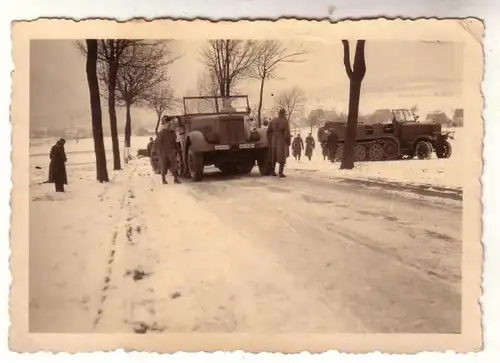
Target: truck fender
pixel 197 142
pixel 421 138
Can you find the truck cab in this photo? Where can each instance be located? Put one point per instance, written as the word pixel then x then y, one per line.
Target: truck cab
pixel 218 131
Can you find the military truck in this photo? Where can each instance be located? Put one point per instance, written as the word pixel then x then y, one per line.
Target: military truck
pixel 217 131
pixel 404 137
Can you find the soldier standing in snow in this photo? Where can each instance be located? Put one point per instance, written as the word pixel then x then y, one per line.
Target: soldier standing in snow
pixel 310 145
pixel 167 150
pixel 57 166
pixel 278 134
pixel 297 146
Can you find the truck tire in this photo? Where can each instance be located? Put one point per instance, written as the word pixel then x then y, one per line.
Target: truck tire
pixel 423 150
pixel 246 168
pixel 445 151
pixel 195 165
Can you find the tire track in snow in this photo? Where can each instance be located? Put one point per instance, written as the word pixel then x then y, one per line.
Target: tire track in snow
pixel 111 258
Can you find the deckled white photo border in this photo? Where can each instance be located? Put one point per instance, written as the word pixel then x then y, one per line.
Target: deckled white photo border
pixel 268 9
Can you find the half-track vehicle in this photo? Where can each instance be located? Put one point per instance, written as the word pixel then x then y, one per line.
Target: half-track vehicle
pixel 217 131
pixel 404 137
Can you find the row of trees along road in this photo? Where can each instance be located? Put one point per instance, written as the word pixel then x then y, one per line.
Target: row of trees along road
pixel 229 61
pixel 129 73
pixel 134 72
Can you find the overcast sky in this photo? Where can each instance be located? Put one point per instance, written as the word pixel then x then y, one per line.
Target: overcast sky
pixel 399 74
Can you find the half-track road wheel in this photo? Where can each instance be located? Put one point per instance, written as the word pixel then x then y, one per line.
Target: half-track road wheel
pixel 340 153
pixel 444 152
pixel 423 150
pixel 376 152
pixel 195 165
pixel 359 153
pixel 390 149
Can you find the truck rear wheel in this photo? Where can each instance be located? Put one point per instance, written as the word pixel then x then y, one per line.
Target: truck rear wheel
pixel 195 165
pixel 423 150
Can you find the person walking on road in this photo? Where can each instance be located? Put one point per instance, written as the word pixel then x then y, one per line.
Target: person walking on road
pixel 310 145
pixel 332 144
pixel 57 166
pixel 150 146
pixel 167 150
pixel 279 136
pixel 297 146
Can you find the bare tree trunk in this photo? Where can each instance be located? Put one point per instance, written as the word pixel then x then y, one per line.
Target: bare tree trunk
pixel 113 74
pixel 352 125
pixel 95 107
pixel 158 123
pixel 261 95
pixel 356 75
pixel 128 133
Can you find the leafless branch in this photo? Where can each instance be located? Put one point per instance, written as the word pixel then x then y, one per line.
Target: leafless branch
pixel 229 60
pixel 292 101
pixel 271 53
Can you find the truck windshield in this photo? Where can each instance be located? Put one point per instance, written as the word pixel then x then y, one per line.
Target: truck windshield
pixel 215 105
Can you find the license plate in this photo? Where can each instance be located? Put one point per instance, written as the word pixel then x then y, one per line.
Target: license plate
pixel 247 146
pixel 221 147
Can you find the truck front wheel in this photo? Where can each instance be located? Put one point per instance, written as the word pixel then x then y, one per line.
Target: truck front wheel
pixel 195 165
pixel 246 168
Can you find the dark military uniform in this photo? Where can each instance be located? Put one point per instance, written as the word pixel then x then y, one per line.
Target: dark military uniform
pixel 167 152
pixel 278 133
pixel 57 166
pixel 310 145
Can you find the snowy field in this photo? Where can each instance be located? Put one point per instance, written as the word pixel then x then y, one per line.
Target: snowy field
pixel 242 254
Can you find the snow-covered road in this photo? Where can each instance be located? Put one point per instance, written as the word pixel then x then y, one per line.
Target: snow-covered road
pixel 244 254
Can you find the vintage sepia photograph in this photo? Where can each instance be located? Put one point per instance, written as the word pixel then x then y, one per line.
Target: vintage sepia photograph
pixel 252 179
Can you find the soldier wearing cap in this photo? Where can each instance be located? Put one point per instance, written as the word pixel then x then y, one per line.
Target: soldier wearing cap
pixel 278 133
pixel 167 149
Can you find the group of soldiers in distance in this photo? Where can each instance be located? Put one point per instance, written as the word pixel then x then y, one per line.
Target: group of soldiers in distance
pixel 327 138
pixel 165 147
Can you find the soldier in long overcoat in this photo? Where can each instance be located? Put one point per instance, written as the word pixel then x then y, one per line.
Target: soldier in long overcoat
pixel 279 136
pixel 167 150
pixel 310 146
pixel 297 146
pixel 332 144
pixel 57 166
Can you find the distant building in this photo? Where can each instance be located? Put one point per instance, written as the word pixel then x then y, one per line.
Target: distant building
pixel 458 117
pixel 438 117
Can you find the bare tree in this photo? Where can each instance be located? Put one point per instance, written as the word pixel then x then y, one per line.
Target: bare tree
pixel 207 84
pixel 269 55
pixel 145 68
pixel 109 61
pixel 229 60
pixel 95 107
pixel 356 73
pixel 161 99
pixel 292 101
